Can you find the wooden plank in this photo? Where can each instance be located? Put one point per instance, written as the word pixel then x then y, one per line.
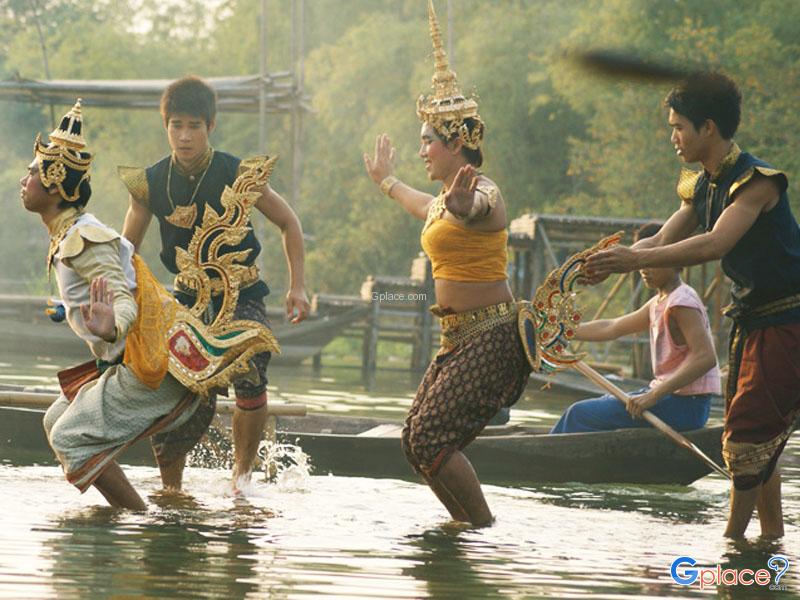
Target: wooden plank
pixel 383 430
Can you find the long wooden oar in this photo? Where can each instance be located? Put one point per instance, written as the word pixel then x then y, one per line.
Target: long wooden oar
pixel 620 395
pixel 39 400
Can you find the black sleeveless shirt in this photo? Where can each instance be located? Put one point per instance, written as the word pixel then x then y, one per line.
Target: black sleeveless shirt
pixel 764 265
pixel 222 171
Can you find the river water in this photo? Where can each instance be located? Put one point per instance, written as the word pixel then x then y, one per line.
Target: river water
pixel 316 535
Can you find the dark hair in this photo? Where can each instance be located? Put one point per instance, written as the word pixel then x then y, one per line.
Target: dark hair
pixel 189 95
pixel 647 230
pixel 85 189
pixel 711 96
pixel 474 157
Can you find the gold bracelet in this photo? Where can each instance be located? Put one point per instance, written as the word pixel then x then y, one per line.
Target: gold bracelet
pixel 387 184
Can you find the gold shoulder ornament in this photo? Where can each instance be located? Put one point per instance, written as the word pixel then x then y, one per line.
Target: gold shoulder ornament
pixel 687 181
pixel 135 180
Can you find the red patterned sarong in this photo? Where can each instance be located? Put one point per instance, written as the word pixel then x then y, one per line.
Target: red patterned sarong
pixel 760 413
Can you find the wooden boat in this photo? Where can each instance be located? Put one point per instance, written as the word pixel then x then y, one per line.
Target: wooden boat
pixel 22 318
pixel 507 455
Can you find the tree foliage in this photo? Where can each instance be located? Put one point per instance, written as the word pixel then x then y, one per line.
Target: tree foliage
pixel 559 139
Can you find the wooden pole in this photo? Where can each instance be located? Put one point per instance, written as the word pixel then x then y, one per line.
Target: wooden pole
pixel 39 400
pixel 263 74
pixel 603 305
pixel 676 437
pixel 547 245
pixel 617 286
pixel 713 285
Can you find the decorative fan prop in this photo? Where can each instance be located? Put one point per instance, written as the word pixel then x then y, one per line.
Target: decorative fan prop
pixel 551 319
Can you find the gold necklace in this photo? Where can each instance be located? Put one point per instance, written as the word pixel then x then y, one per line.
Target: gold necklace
pixel 184 216
pixel 436 209
pixel 55 240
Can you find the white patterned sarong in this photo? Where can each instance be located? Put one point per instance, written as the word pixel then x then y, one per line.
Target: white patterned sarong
pixel 109 414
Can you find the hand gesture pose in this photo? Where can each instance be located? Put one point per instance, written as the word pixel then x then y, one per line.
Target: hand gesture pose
pixel 382 164
pixel 98 315
pixel 460 197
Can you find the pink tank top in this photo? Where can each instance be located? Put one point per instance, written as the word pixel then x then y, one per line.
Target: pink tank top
pixel 667 357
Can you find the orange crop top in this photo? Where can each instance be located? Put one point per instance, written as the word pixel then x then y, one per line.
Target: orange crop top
pixel 461 254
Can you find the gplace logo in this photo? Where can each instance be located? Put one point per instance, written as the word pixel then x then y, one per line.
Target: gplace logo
pixel 684 573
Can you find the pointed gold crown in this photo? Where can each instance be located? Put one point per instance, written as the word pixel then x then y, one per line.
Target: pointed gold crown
pixel 446 109
pixel 62 162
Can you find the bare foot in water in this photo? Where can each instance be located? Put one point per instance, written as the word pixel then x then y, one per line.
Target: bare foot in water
pixel 241 484
pixel 172 498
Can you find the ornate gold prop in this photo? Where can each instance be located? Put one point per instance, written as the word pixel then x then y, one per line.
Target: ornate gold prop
pixel 203 357
pixel 556 314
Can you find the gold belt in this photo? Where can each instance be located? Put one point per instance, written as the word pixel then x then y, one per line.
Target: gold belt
pixel 763 310
pixel 457 328
pixel 250 277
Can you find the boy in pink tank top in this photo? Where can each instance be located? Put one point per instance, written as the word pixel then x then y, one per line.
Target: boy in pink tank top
pixel 682 353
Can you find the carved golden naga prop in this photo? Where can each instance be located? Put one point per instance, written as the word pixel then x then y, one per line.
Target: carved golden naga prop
pixel 553 317
pixel 203 357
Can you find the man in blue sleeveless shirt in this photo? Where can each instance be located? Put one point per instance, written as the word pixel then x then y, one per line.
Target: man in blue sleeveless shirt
pixel 742 207
pixel 177 189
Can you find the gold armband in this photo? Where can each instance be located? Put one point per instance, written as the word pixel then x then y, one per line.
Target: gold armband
pixel 485 201
pixel 387 184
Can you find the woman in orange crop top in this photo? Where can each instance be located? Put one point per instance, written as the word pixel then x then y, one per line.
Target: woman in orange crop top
pixel 481 366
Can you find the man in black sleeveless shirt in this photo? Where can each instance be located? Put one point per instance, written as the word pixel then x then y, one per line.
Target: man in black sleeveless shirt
pixel 177 190
pixel 742 207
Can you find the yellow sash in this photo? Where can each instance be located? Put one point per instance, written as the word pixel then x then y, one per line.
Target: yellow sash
pixel 146 350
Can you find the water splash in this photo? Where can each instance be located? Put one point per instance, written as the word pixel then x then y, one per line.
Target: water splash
pixel 286 465
pixel 215 450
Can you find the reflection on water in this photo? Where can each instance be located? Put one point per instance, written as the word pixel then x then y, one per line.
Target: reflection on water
pixel 304 537
pixel 350 537
pixel 334 390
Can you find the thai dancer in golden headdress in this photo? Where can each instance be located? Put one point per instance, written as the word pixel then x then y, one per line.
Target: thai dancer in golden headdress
pixel 154 357
pixel 481 365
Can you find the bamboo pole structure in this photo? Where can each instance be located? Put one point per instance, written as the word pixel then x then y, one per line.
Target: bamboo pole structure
pixel 707 293
pixel 262 66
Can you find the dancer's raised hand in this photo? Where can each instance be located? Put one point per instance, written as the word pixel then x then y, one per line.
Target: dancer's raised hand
pixel 98 314
pixel 381 165
pixel 460 196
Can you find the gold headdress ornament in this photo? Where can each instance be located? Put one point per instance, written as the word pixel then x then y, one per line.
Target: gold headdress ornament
pixel 62 162
pixel 446 109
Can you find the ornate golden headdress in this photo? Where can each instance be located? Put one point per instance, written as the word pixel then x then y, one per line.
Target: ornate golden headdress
pixel 62 162
pixel 446 109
